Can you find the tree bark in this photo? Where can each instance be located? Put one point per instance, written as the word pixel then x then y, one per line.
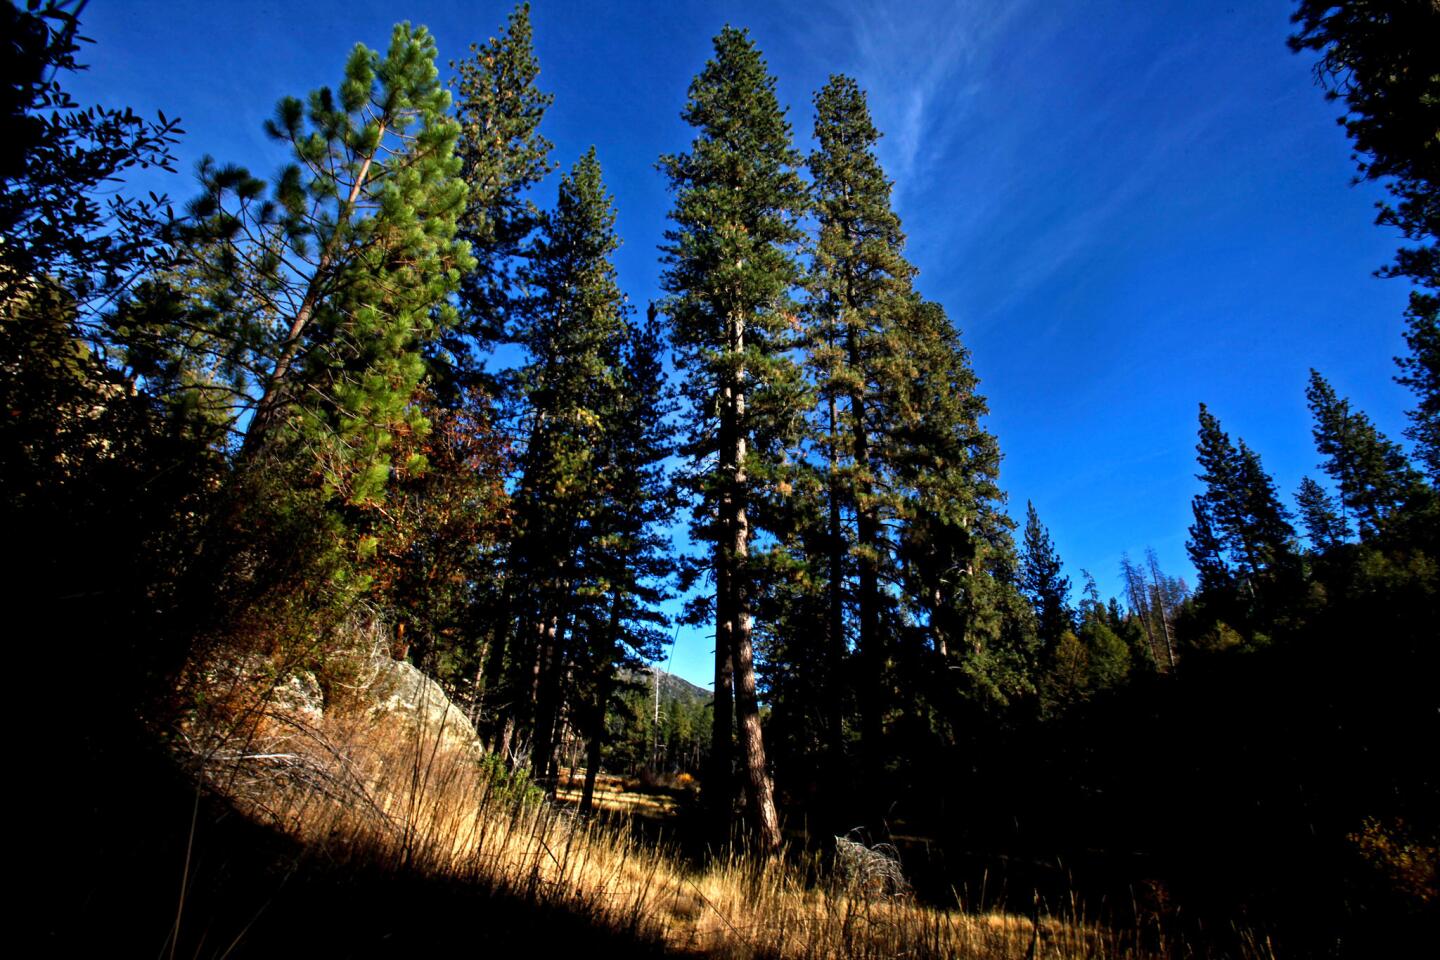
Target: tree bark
pixel 835 699
pixel 759 790
pixel 592 766
pixel 867 535
pixel 719 786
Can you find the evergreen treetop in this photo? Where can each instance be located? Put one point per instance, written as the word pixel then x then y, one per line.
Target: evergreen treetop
pixel 499 108
pixel 1370 471
pixel 322 296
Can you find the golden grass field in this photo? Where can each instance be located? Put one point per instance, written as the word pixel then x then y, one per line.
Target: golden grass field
pixel 357 792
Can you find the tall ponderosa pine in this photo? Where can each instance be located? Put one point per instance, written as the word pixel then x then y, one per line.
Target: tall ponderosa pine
pixel 730 266
pixel 628 567
pixel 1325 525
pixel 1206 549
pixel 573 331
pixel 858 279
pixel 294 322
pixel 959 569
pixel 1240 523
pixel 1420 371
pixel 1381 59
pixel 1375 56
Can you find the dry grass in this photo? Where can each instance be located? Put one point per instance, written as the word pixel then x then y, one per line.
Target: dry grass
pixel 360 794
pixel 614 795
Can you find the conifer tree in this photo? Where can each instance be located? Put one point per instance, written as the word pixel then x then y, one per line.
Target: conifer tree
pixel 499 108
pixel 1371 473
pixel 326 294
pixel 1206 549
pixel 1379 58
pixel 628 565
pixel 1325 525
pixel 1239 510
pixel 1139 597
pixel 959 568
pixel 1109 657
pixel 1420 371
pixel 730 266
pixel 1218 511
pixel 1267 532
pixel 573 330
pixel 1042 582
pixel 295 321
pixel 857 279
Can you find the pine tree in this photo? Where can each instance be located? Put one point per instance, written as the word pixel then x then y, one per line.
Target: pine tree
pixel 1420 371
pixel 1108 657
pixel 328 292
pixel 1379 57
pixel 1219 472
pixel 1370 471
pixel 1140 596
pixel 1206 549
pixel 1267 534
pixel 499 109
pixel 730 267
pixel 1325 526
pixel 959 569
pixel 628 565
pixel 1042 582
pixel 1239 510
pixel 573 330
pixel 857 277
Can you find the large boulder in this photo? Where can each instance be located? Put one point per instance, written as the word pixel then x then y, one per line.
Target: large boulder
pixel 402 697
pixel 299 695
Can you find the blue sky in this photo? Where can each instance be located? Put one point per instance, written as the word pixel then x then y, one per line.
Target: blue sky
pixel 1127 208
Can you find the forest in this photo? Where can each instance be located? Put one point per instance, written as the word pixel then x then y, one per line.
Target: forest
pixel 392 402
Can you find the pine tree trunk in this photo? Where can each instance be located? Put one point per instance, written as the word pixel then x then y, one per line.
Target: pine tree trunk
pixel 592 766
pixel 267 408
pixel 550 665
pixel 597 719
pixel 759 792
pixel 835 701
pixel 494 669
pixel 538 701
pixel 719 787
pixel 867 536
pixel 1164 613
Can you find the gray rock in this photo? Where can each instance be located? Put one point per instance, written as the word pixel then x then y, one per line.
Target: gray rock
pixel 401 693
pixel 300 696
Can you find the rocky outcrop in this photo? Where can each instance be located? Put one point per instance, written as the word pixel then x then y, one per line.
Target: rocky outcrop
pixel 415 706
pixel 392 697
pixel 300 696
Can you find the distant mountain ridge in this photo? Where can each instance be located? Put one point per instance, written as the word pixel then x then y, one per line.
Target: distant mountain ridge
pixel 672 687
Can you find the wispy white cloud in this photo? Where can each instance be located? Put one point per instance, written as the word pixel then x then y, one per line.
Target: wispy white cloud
pixel 1008 141
pixel 922 65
